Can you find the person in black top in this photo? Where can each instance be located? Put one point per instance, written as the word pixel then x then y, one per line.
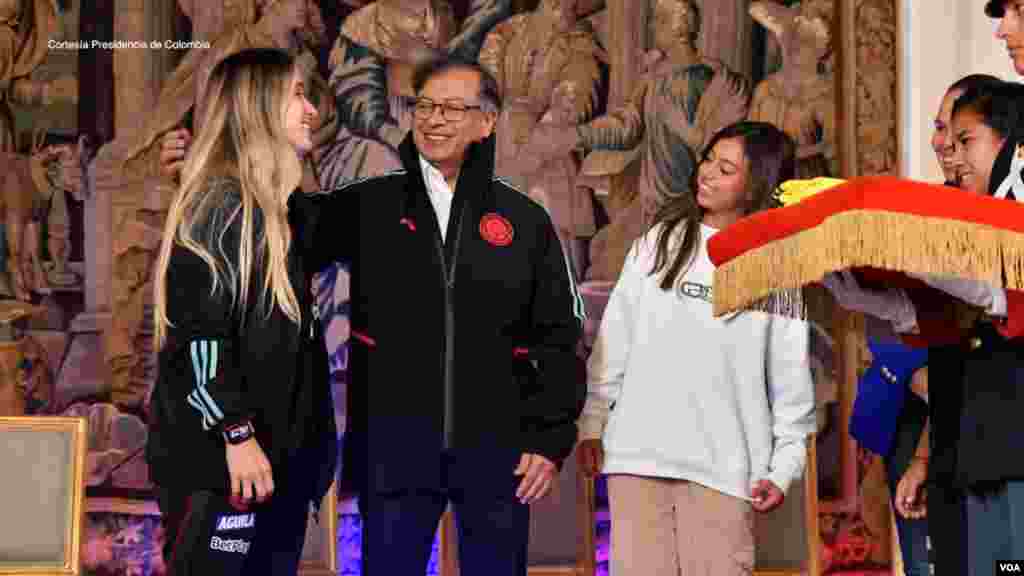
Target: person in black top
pixel 944 502
pixel 243 438
pixel 988 131
pixel 465 383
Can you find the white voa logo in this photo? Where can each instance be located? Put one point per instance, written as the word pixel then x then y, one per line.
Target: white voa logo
pixel 236 546
pixel 236 522
pixel 1010 568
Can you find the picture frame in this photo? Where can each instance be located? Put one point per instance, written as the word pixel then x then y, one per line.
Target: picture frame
pixel 122 535
pixel 43 496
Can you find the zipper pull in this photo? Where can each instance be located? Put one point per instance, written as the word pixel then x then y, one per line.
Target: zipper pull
pixel 316 318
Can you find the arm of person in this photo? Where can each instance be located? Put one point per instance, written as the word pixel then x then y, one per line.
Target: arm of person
pixel 556 327
pixel 909 498
pixel 1005 306
pixel 606 366
pixel 920 317
pixel 336 234
pixel 791 396
pixel 205 321
pixel 919 383
pixel 360 85
pixel 923 445
pixel 201 306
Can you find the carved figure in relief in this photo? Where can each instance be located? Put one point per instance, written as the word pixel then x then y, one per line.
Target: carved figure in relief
pixel 371 66
pixel 548 67
pixel 58 223
pixel 555 186
pixel 25 28
pixel 247 24
pixel 681 103
pixel 28 186
pixel 26 182
pixel 529 54
pixel 800 98
pixel 876 88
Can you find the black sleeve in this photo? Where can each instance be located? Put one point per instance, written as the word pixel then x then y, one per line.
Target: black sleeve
pixel 336 234
pixel 204 323
pixel 556 327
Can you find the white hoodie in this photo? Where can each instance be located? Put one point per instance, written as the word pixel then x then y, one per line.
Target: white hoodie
pixel 677 393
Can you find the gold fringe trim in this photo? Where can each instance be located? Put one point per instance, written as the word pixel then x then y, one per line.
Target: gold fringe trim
pixel 871 238
pixel 789 303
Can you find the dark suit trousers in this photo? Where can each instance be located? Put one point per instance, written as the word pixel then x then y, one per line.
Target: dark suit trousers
pixel 947 512
pixel 493 527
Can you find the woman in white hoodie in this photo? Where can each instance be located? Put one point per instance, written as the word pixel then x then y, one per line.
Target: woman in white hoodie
pixel 697 420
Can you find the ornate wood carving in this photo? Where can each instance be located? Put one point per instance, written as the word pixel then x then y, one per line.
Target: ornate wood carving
pixel 727 34
pixel 870 86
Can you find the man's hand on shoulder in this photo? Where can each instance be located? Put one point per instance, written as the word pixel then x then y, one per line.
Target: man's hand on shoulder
pixel 538 475
pixel 173 146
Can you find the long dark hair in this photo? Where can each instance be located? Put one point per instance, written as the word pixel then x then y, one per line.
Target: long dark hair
pixel 1001 108
pixel 771 156
pixel 973 81
pixel 996 103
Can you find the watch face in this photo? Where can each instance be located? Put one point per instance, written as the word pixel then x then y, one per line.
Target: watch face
pixel 237 433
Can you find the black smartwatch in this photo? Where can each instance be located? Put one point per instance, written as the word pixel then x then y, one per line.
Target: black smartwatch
pixel 239 433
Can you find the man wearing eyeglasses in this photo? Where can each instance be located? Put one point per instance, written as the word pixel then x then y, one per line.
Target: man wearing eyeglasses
pixel 464 382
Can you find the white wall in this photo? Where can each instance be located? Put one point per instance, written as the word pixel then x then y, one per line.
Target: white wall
pixel 943 40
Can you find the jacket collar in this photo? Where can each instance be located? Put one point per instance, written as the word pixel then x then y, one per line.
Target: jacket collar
pixel 474 183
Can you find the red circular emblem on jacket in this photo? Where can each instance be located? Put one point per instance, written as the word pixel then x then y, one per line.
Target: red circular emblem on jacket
pixel 496 229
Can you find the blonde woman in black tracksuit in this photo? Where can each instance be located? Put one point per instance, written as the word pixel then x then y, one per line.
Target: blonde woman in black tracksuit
pixel 243 439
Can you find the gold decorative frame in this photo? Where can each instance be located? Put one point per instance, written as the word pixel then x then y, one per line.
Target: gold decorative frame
pixel 323 537
pixel 812 563
pixel 869 85
pixel 72 433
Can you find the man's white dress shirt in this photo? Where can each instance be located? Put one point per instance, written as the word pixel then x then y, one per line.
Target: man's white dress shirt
pixel 440 194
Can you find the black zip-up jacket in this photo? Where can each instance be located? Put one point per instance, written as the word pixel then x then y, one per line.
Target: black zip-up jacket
pixel 466 345
pixel 218 368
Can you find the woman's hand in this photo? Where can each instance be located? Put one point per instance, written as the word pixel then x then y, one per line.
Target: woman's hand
pixel 767 496
pixel 911 498
pixel 251 476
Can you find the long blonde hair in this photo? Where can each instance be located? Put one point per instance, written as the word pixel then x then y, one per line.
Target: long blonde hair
pixel 241 136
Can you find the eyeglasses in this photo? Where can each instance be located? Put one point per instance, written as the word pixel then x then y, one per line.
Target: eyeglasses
pixel 450 111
